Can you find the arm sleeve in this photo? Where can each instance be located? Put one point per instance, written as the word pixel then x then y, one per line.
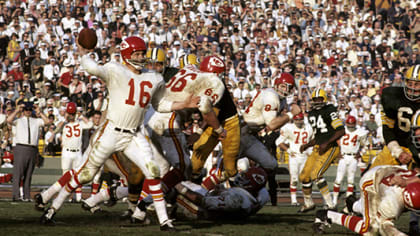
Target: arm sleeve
pixel 387 128
pixel 93 68
pixel 159 101
pixel 336 122
pixel 270 106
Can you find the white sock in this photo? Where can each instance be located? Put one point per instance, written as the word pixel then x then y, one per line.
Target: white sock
pixel 100 197
pixel 159 202
pixel 308 200
pixel 138 214
pixel 335 217
pixel 293 197
pixel 50 192
pixel 78 197
pixel 59 200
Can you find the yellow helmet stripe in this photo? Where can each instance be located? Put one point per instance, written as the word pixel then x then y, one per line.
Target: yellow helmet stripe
pixel 415 72
pixel 155 53
pixel 317 93
pixel 416 119
pixel 185 60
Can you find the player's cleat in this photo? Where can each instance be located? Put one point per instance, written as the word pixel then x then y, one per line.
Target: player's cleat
pixel 92 209
pixel 305 208
pixel 350 200
pixel 47 217
pixel 39 203
pixel 321 221
pixel 168 226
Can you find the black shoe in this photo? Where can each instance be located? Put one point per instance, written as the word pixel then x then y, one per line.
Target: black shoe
pixel 321 221
pixel 414 229
pixel 350 200
pixel 168 226
pixel 322 215
pixel 93 209
pixel 47 217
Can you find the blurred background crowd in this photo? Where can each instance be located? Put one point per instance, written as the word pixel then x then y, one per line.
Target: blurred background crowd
pixel 351 48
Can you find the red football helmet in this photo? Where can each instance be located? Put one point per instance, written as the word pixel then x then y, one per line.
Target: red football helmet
pixel 411 196
pixel 8 157
pixel 298 116
pixel 128 46
pixel 252 180
pixel 213 64
pixel 71 108
pixel 298 120
pixel 351 122
pixel 284 84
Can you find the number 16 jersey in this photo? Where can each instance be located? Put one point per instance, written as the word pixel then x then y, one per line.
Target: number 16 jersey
pixel 325 122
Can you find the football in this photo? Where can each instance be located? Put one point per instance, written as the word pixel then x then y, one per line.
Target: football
pixel 87 38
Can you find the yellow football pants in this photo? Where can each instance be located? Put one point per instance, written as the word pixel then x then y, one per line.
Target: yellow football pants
pixel 316 164
pixel 230 146
pixel 385 158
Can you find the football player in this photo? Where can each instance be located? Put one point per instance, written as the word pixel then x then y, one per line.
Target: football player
pixel 399 105
pixel 292 136
pixel 328 129
pixel 245 198
pixel 351 148
pixel 380 203
pixel 130 91
pixel 228 117
pixel 71 141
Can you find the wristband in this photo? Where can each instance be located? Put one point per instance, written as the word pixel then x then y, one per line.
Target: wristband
pixel 290 115
pixel 219 130
pixel 199 131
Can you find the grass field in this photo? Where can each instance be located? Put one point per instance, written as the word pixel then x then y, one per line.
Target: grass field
pixel 22 219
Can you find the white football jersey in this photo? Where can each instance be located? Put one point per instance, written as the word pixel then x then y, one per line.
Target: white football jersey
pixel 263 108
pixel 190 80
pixel 351 141
pixel 72 134
pixel 295 137
pixel 386 200
pixel 129 93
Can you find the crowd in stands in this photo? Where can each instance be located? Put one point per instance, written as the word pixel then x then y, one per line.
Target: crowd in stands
pixel 350 48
